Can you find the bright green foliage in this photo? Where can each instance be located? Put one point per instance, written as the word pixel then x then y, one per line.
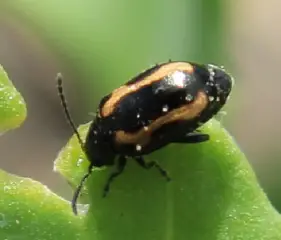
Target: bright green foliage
pixel 71 162
pixel 29 210
pixel 12 105
pixel 214 194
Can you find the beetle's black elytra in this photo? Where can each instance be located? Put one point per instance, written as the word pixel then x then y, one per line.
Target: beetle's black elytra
pixel 144 79
pixel 183 113
pixel 162 105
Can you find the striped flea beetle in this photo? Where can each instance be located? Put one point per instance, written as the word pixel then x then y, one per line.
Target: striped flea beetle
pixel 164 104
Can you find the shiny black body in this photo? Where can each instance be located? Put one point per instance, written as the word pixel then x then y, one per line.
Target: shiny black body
pixel 140 108
pixel 165 104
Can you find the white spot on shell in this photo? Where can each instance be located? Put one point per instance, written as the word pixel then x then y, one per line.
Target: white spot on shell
pixel 218 99
pixel 138 147
pixel 189 97
pixel 95 132
pixel 165 108
pixel 145 128
pixel 211 72
pixel 138 115
pixel 211 98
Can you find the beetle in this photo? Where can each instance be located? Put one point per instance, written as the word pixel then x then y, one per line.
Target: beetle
pixel 162 105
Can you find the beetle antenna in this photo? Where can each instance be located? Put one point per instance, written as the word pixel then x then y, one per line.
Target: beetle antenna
pixel 66 111
pixel 74 128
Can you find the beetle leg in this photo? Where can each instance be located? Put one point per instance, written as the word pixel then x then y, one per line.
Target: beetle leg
pixel 194 137
pixel 148 165
pixel 121 163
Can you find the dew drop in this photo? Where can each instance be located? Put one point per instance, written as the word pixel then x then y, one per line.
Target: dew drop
pixel 7 188
pixel 3 221
pixel 79 162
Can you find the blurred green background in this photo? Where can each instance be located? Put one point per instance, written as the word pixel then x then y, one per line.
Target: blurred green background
pixel 98 45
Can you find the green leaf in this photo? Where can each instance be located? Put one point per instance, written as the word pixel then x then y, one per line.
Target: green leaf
pixel 213 195
pixel 12 105
pixel 71 162
pixel 29 210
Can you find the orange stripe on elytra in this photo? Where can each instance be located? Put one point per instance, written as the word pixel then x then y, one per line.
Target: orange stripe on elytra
pixel 121 92
pixel 186 112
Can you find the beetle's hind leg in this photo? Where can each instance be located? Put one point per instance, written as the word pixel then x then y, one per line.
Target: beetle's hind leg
pixel 121 163
pixel 148 165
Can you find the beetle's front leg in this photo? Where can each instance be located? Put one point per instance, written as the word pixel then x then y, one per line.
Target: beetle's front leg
pixel 121 163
